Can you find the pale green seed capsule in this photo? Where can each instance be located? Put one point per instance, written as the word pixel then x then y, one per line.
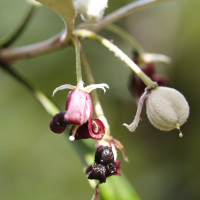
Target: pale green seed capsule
pixel 167 109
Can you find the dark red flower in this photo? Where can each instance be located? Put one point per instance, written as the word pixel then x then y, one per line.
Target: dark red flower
pixel 78 113
pixel 137 86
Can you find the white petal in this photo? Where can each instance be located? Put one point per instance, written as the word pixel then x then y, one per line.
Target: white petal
pixel 62 87
pixel 136 120
pixel 149 57
pixel 91 10
pixel 130 127
pixel 35 3
pixel 102 86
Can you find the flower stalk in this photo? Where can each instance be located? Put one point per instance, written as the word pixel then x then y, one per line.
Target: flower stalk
pixel 143 57
pixel 118 52
pixel 123 12
pixel 57 42
pixel 78 63
pixel 97 105
pixel 126 37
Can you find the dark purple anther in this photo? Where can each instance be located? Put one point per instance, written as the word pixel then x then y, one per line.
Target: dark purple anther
pixel 110 169
pixel 104 165
pixel 98 172
pixel 104 155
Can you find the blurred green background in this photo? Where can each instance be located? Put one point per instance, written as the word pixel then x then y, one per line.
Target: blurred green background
pixel 38 164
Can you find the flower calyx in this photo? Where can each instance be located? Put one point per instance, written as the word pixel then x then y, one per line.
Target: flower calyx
pixel 78 113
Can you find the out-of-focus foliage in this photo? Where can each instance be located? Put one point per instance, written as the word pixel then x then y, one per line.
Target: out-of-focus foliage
pixel 38 164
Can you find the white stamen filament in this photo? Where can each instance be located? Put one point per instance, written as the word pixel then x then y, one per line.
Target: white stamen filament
pixel 72 137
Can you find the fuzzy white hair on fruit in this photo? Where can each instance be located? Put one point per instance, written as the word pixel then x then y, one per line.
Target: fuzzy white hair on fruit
pixel 167 108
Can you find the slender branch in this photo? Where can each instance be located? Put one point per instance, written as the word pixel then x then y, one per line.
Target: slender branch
pixel 39 95
pixel 78 63
pixel 126 36
pixel 57 42
pixel 118 52
pixel 11 37
pixel 96 194
pixel 122 12
pixel 11 55
pixel 95 98
pixel 143 57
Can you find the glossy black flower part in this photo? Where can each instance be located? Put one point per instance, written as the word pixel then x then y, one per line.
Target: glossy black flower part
pixel 104 155
pixel 104 165
pixel 98 172
pixel 79 112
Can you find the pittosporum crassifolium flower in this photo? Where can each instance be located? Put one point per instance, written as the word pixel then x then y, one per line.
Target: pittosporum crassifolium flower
pixel 78 111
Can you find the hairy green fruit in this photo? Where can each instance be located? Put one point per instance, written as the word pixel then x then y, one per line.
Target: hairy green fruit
pixel 167 108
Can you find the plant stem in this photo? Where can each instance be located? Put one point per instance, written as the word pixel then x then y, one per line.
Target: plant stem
pixel 59 41
pixel 126 36
pixel 10 55
pixel 11 37
pixel 78 63
pixel 96 194
pixel 118 52
pixel 122 12
pixel 97 105
pixel 47 104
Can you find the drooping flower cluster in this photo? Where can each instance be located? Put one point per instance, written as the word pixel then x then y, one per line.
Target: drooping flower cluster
pixel 78 113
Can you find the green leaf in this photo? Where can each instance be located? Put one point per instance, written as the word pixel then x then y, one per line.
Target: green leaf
pixel 117 188
pixel 65 9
